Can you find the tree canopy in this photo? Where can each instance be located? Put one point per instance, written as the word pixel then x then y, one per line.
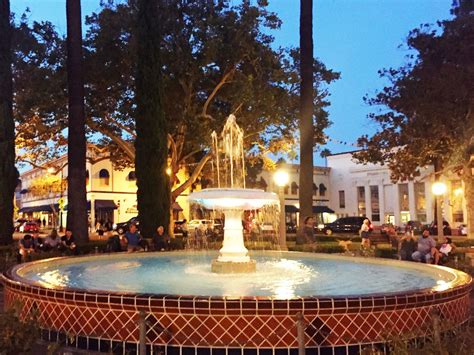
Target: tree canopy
pixel 425 115
pixel 217 59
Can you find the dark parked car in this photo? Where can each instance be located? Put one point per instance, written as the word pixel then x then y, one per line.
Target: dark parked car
pixel 291 228
pixel 123 227
pixel 345 225
pixel 30 227
pixel 434 228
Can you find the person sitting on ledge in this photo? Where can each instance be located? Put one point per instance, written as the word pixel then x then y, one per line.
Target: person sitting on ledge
pixel 68 243
pixel 426 248
pixel 407 246
pixel 52 241
pixel 305 234
pixel 134 239
pixel 445 251
pixel 26 248
pixel 161 240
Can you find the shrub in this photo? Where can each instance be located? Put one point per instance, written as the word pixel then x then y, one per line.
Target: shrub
pixel 17 336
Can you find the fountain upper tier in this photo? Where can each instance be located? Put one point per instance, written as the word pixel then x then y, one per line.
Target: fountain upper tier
pixel 234 198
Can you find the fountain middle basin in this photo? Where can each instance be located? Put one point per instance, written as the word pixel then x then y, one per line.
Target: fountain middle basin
pixel 233 256
pixel 345 301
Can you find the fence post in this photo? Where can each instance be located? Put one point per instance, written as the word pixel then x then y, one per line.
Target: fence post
pixel 300 325
pixel 142 331
pixel 436 327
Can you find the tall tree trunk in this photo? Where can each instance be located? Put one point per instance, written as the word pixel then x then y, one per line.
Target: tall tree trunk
pixel 151 158
pixel 8 172
pixel 77 203
pixel 306 108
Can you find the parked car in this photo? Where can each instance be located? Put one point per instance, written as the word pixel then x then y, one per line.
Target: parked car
pixel 416 226
pixel 345 225
pixel 178 227
pixel 434 228
pixel 195 223
pixel 30 227
pixel 123 227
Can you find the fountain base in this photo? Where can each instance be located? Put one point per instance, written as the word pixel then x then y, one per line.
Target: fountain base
pixel 230 267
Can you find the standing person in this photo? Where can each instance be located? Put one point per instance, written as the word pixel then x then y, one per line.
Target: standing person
pixel 133 239
pixel 306 233
pixel 426 249
pixel 68 242
pixel 184 228
pixel 364 234
pixel 44 222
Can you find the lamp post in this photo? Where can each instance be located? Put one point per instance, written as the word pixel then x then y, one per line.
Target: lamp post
pixel 281 179
pixel 439 189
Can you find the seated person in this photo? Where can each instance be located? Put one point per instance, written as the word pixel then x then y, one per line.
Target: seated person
pixel 52 241
pixel 407 246
pixel 305 234
pixel 37 241
pixel 161 240
pixel 26 247
pixel 114 244
pixel 445 251
pixel 68 243
pixel 426 248
pixel 134 239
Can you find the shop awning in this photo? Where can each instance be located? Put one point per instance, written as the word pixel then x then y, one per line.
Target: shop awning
pixel 177 207
pixel 291 209
pixel 40 208
pixel 103 205
pixel 322 209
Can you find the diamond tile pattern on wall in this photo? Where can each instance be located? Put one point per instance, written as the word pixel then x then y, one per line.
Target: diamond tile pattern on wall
pixel 242 323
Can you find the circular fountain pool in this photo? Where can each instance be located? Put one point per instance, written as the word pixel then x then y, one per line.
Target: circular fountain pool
pixel 346 302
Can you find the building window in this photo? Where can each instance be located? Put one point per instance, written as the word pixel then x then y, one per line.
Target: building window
pixel 131 176
pixel 361 200
pixel 420 201
pixel 374 203
pixel 104 177
pixel 342 199
pixel 403 197
pixel 294 188
pixel 315 190
pixel 286 189
pixel 87 177
pixel 456 201
pixel 322 190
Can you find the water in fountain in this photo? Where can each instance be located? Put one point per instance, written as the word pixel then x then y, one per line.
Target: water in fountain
pixel 232 198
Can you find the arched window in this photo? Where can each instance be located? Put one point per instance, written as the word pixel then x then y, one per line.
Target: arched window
pixel 131 176
pixel 104 177
pixel 285 189
pixel 315 189
pixel 322 190
pixel 294 188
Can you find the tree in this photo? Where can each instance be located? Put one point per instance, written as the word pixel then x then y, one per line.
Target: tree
pixel 8 172
pixel 216 60
pixel 426 113
pixel 306 108
pixel 153 195
pixel 77 203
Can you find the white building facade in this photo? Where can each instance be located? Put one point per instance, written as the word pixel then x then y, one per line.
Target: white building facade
pixel 366 190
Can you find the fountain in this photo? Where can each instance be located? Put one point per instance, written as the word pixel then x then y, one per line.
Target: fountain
pixel 176 304
pixel 233 199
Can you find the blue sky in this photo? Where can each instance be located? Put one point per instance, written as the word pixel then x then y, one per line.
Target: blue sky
pixel 354 37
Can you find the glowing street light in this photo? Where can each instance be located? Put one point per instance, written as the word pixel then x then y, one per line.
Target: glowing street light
pixel 281 178
pixel 439 189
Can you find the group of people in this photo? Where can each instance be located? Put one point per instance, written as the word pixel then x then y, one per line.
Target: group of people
pixel 132 241
pixel 424 249
pixel 33 243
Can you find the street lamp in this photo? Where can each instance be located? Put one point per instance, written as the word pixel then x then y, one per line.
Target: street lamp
pixel 439 189
pixel 281 179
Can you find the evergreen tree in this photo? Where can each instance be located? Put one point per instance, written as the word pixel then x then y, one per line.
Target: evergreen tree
pixel 306 108
pixel 77 203
pixel 8 172
pixel 153 194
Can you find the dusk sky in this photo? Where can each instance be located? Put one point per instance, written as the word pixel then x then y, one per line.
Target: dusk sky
pixel 354 37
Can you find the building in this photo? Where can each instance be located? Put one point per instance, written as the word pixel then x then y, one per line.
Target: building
pixel 366 190
pixel 111 193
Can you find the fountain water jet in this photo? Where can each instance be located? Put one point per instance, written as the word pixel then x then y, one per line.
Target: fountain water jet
pixel 232 200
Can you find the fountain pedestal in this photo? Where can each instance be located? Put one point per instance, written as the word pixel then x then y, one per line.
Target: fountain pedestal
pixel 233 256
